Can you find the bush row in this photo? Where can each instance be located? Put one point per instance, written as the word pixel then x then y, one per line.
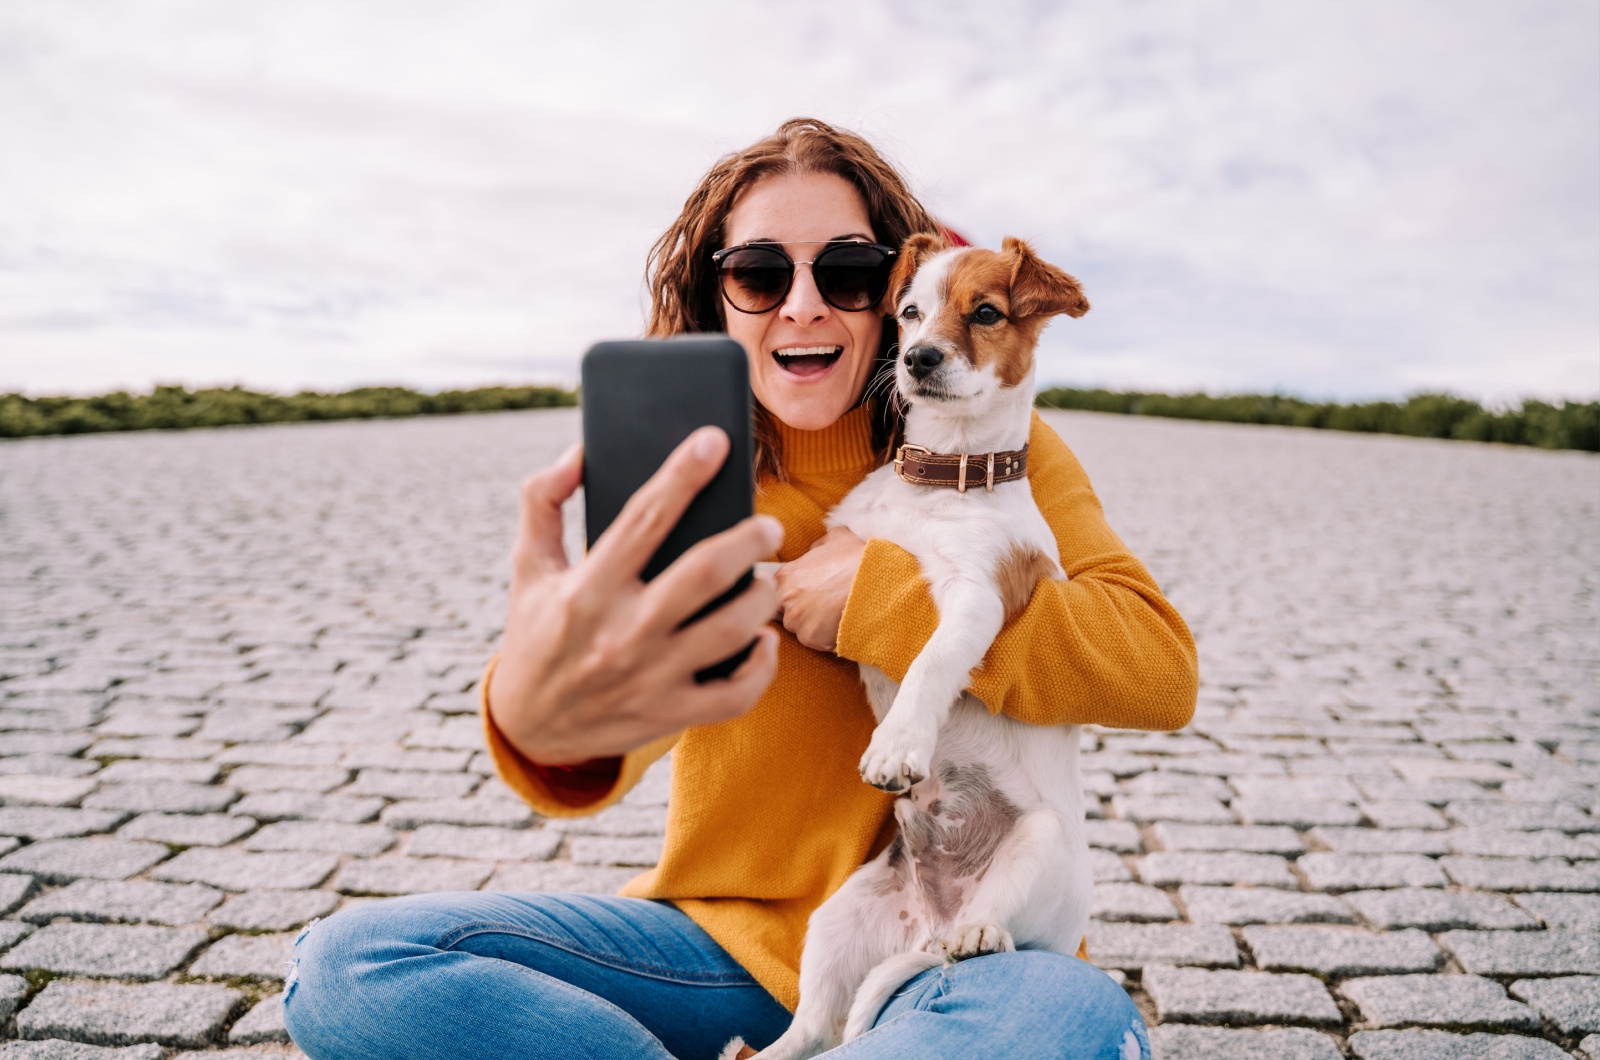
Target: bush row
pixel 1568 425
pixel 175 407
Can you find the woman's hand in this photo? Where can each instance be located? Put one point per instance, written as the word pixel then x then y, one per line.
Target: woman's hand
pixel 594 663
pixel 812 590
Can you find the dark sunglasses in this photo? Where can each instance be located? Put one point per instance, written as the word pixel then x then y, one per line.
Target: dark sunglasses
pixel 850 275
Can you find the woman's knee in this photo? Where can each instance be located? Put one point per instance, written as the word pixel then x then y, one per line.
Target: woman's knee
pixel 1052 990
pixel 341 969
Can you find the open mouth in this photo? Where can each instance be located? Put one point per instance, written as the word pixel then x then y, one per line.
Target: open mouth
pixel 806 361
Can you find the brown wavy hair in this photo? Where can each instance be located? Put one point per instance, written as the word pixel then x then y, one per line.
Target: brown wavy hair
pixel 684 295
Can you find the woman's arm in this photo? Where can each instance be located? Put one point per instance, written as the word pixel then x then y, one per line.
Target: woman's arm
pixel 596 664
pixel 1104 647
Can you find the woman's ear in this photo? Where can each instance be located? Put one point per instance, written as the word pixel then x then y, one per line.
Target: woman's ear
pixel 919 248
pixel 1039 288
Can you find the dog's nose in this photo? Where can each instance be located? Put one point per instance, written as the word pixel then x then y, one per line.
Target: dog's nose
pixel 922 360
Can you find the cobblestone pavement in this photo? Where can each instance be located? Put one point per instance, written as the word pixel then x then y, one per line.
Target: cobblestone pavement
pixel 238 694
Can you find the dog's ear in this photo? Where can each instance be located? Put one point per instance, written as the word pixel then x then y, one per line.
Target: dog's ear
pixel 1039 288
pixel 919 248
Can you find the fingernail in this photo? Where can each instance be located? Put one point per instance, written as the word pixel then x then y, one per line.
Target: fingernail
pixel 710 444
pixel 772 529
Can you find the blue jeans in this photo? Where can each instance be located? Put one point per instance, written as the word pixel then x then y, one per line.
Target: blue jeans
pixel 570 976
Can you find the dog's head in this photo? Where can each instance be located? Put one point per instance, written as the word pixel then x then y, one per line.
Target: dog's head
pixel 970 319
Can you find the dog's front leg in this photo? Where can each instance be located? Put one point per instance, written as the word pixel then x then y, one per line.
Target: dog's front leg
pixel 901 751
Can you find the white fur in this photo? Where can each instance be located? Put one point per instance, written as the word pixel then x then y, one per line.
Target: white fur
pixel 1034 891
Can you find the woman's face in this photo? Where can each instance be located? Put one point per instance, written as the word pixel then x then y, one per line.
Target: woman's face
pixel 810 390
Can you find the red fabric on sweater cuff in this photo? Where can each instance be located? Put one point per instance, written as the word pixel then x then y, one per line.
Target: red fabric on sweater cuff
pixel 580 782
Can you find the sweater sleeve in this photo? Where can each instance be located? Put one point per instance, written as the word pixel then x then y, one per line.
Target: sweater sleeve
pixel 558 792
pixel 1103 647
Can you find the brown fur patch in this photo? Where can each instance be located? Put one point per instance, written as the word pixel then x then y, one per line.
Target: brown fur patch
pixel 1020 570
pixel 1026 291
pixel 917 249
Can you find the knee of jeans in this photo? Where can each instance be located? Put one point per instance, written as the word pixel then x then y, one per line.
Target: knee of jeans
pixel 322 969
pixel 1104 1017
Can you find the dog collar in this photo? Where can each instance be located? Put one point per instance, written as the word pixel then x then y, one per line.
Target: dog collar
pixel 923 467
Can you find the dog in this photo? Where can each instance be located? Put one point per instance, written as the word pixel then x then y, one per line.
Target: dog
pixel 990 852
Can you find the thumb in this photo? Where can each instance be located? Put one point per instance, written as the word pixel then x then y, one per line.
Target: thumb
pixel 538 550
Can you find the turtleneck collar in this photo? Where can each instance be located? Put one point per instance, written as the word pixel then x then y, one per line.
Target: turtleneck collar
pixel 845 446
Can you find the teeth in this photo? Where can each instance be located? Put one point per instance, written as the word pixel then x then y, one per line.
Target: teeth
pixel 808 351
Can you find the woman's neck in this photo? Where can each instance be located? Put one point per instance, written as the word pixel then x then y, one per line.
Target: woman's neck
pixel 843 446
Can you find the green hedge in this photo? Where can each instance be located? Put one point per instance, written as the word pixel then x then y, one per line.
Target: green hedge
pixel 172 407
pixel 1568 425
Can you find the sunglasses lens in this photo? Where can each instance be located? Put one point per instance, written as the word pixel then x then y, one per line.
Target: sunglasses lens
pixel 755 279
pixel 852 277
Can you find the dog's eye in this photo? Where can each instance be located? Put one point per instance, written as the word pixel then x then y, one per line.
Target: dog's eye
pixel 909 313
pixel 986 314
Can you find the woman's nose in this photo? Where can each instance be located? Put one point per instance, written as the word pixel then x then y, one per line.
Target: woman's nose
pixel 805 304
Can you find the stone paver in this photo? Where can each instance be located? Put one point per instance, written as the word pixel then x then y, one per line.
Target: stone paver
pixel 65 860
pixel 1342 951
pixel 104 950
pixel 361 840
pixel 1572 1003
pixel 1351 872
pixel 1261 905
pixel 1132 946
pixel 1179 1042
pixel 1433 910
pixel 1438 1001
pixel 56 1049
pixel 125 901
pixel 188 830
pixel 113 1014
pixel 1195 995
pixel 411 875
pixel 1552 952
pixel 238 870
pixel 1580 912
pixel 273 910
pixel 273 698
pixel 263 1023
pixel 245 957
pixel 1442 1045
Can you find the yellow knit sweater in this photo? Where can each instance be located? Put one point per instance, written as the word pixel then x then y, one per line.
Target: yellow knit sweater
pixel 768 816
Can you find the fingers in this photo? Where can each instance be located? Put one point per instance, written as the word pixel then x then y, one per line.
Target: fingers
pixel 725 630
pixel 538 549
pixel 652 512
pixel 709 569
pixel 721 700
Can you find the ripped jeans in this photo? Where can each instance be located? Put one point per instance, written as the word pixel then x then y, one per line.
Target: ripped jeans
pixel 585 977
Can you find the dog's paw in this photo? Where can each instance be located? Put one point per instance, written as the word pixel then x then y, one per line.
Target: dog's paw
pixel 897 758
pixel 736 1050
pixel 975 940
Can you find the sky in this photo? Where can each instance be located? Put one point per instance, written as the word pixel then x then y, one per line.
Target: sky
pixel 1347 201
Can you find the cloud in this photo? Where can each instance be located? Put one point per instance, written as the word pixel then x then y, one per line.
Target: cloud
pixel 1342 200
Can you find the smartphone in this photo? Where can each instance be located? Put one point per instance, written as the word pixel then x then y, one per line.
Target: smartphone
pixel 640 399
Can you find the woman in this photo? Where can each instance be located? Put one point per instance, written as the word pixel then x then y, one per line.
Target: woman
pixel 768 815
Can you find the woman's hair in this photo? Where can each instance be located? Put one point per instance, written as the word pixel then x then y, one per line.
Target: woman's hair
pixel 684 293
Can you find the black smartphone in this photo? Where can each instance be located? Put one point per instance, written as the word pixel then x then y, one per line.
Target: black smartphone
pixel 640 399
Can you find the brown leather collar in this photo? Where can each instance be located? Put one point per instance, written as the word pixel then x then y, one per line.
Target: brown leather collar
pixel 924 467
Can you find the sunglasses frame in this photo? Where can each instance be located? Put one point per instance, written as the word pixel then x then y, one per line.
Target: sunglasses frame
pixel 828 245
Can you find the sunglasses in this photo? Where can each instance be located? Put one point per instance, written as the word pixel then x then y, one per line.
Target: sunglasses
pixel 850 275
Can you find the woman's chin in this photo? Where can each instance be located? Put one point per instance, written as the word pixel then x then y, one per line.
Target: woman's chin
pixel 807 411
